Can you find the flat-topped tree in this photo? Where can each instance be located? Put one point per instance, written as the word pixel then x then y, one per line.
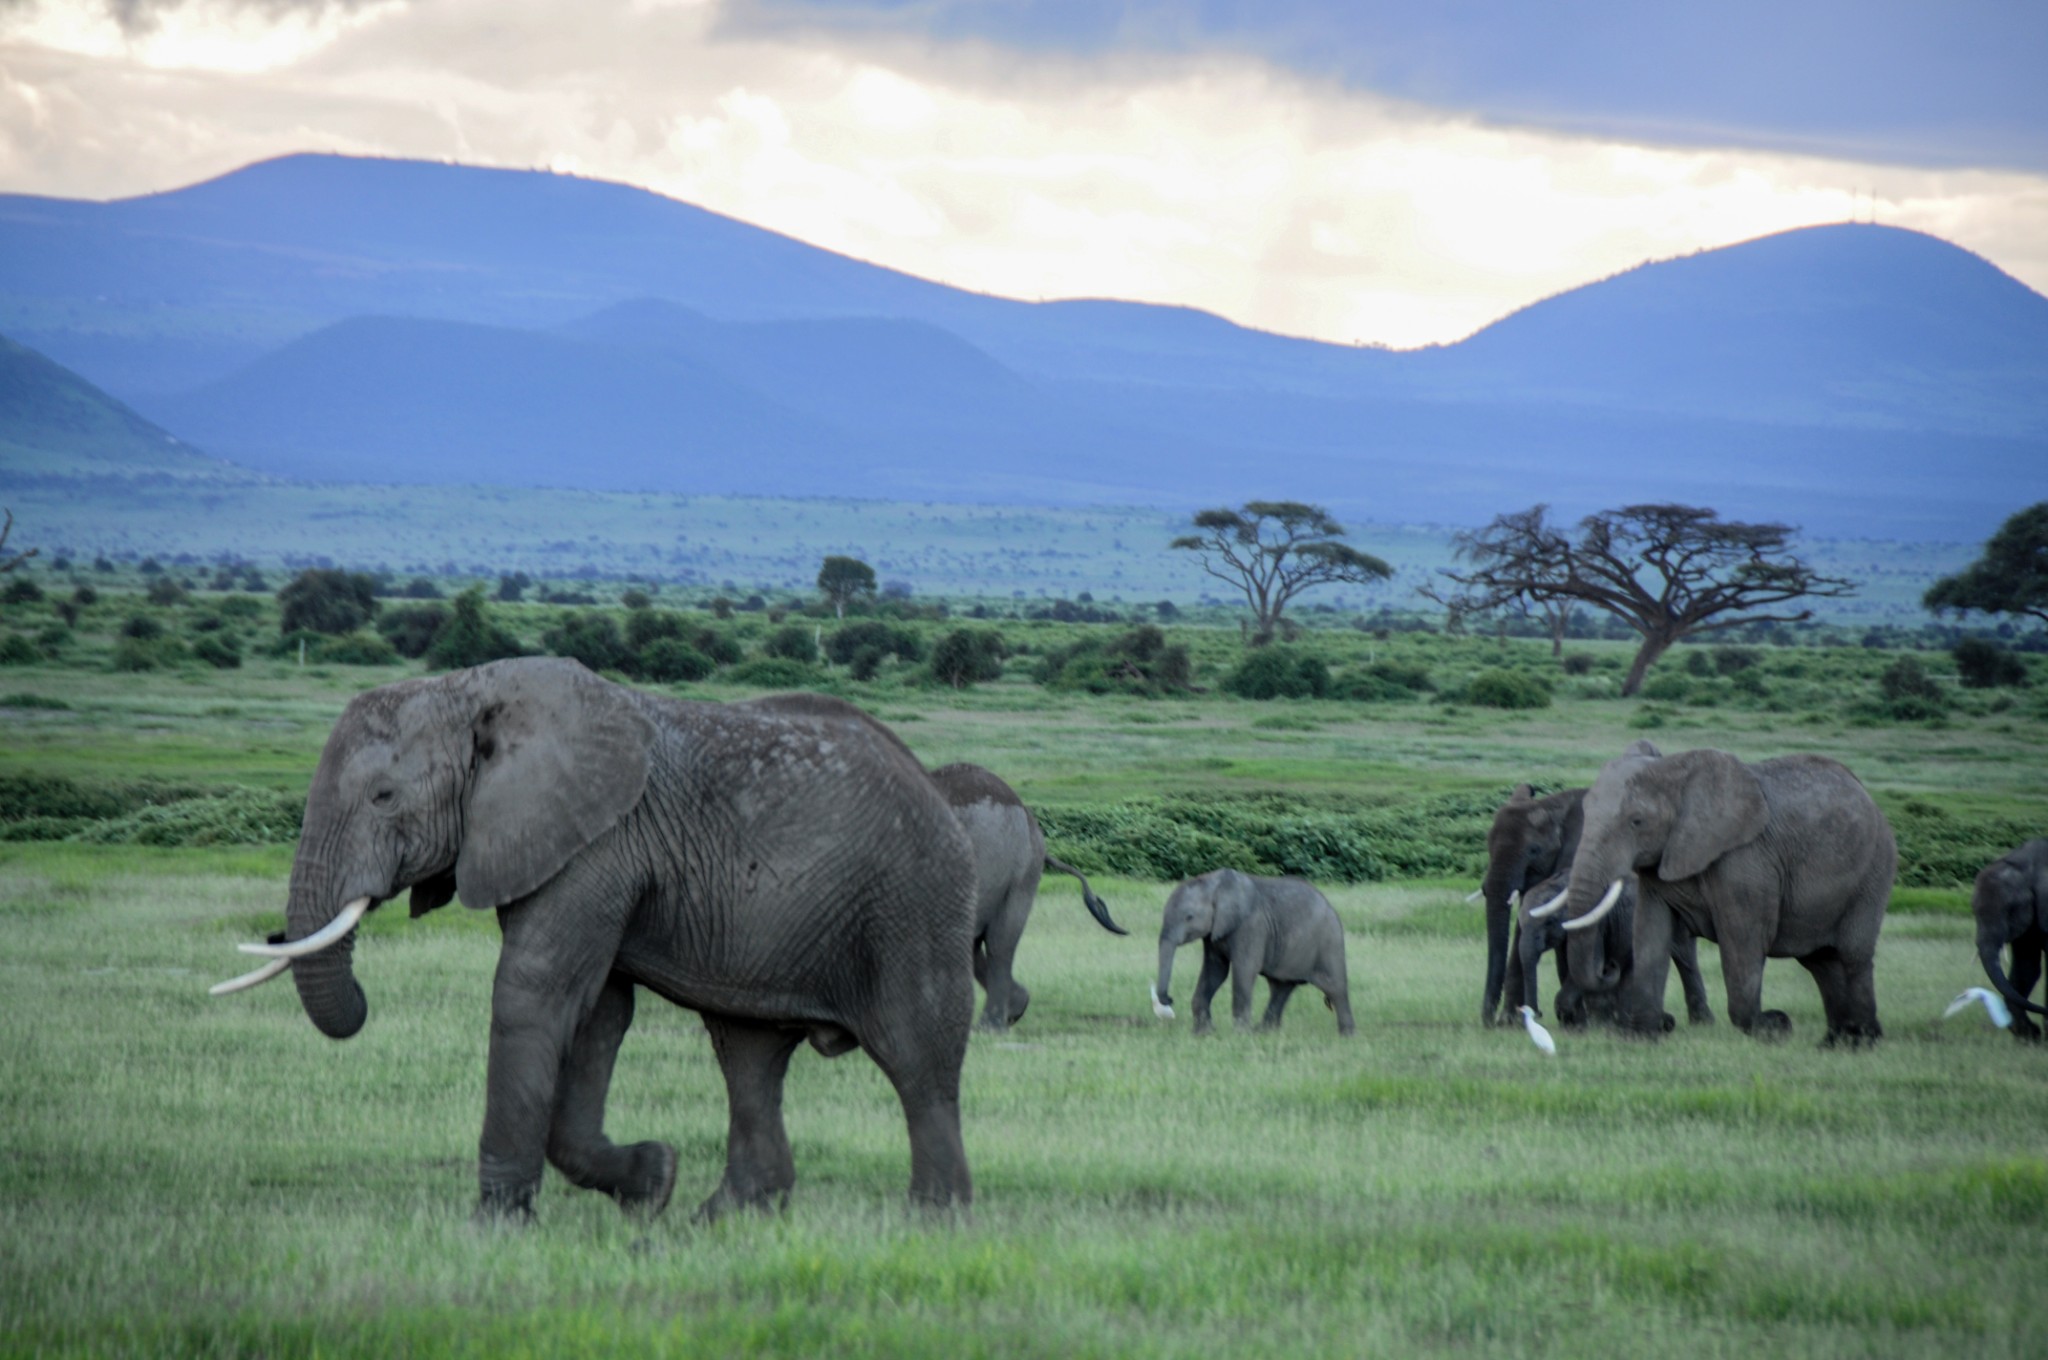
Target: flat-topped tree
pixel 2009 577
pixel 844 580
pixel 1271 551
pixel 1668 571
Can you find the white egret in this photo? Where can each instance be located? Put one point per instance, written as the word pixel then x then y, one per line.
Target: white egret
pixel 1538 1035
pixel 1994 1006
pixel 1159 1008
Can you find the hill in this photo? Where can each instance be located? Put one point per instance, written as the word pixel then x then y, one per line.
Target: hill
pixel 450 324
pixel 53 423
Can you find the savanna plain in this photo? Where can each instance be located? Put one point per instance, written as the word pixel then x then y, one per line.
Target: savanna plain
pixel 186 1175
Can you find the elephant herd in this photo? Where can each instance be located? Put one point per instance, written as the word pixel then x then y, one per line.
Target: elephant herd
pixel 786 868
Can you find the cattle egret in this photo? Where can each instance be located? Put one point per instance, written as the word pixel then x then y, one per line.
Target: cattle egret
pixel 1538 1035
pixel 1159 1008
pixel 1994 1006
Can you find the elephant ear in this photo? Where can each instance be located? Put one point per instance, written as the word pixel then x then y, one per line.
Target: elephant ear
pixel 1522 794
pixel 1720 806
pixel 1643 746
pixel 559 756
pixel 1231 898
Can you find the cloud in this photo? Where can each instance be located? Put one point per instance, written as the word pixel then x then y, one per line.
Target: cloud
pixel 1210 178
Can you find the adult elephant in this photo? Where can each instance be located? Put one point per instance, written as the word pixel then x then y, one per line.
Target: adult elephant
pixel 1784 858
pixel 1530 840
pixel 2011 906
pixel 789 876
pixel 1009 859
pixel 1536 936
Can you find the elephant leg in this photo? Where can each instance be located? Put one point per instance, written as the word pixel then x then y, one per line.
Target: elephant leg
pixel 1277 995
pixel 1639 999
pixel 1504 995
pixel 2026 971
pixel 1686 959
pixel 1242 981
pixel 1742 968
pixel 540 997
pixel 1006 996
pixel 923 1064
pixel 1215 967
pixel 758 1167
pixel 1336 990
pixel 640 1177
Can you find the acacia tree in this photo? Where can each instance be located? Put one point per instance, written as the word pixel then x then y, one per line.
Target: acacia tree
pixel 1271 551
pixel 844 580
pixel 2009 577
pixel 1668 571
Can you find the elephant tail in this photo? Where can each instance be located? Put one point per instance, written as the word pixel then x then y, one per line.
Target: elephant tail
pixel 1096 907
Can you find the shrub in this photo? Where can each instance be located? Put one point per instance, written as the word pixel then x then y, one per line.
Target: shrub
pixel 1137 662
pixel 883 637
pixel 1735 660
pixel 85 597
pixel 26 700
pixel 421 588
pixel 142 628
pixel 21 590
pixel 776 672
pixel 650 625
pixel 634 599
pixel 1985 665
pixel 1277 672
pixel 1383 682
pixel 1508 689
pixel 147 654
pixel 721 648
pixel 1910 693
pixel 670 660
pixel 470 638
pixel 590 637
pixel 792 642
pixel 319 600
pixel 1577 663
pixel 165 593
pixel 219 651
pixel 356 649
pixel 1670 689
pixel 410 629
pixel 867 664
pixel 963 657
pixel 240 607
pixel 16 650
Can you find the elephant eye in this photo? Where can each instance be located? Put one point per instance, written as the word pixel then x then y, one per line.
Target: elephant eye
pixel 382 797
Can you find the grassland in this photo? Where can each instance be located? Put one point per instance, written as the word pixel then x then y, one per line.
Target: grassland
pixel 181 1175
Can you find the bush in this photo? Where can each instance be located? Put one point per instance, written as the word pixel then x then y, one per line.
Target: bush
pixel 883 637
pixel 1278 672
pixel 16 650
pixel 963 657
pixel 147 654
pixel 470 638
pixel 421 588
pixel 243 607
pixel 219 651
pixel 1383 682
pixel 1910 693
pixel 318 600
pixel 410 629
pixel 590 637
pixel 867 664
pixel 85 597
pixel 776 672
pixel 651 625
pixel 142 628
pixel 356 649
pixel 1577 663
pixel 1508 689
pixel 1986 665
pixel 634 599
pixel 1138 662
pixel 165 593
pixel 670 660
pixel 792 642
pixel 21 590
pixel 1670 689
pixel 722 649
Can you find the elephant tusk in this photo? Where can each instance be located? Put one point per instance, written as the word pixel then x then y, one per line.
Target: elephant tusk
pixel 1550 908
pixel 342 924
pixel 1514 899
pixel 248 980
pixel 1475 894
pixel 1600 908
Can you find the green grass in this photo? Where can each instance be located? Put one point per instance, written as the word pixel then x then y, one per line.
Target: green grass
pixel 181 1175
pixel 190 1176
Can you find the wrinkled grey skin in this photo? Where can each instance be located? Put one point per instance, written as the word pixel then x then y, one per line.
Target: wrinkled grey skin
pixel 1531 839
pixel 787 876
pixel 1784 858
pixel 1280 929
pixel 2011 907
pixel 1009 858
pixel 1575 1006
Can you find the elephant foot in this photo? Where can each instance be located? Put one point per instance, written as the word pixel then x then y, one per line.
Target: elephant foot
pixel 989 1024
pixel 1699 1015
pixel 1653 1026
pixel 2025 1030
pixel 653 1179
pixel 503 1207
pixel 1771 1026
pixel 1855 1035
pixel 1203 1029
pixel 725 1200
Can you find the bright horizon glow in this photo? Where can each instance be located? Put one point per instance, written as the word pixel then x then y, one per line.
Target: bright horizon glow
pixel 1227 183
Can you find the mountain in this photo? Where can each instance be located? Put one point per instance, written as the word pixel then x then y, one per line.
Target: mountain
pixel 55 423
pixel 321 316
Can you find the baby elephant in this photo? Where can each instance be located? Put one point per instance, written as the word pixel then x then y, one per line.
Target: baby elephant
pixel 1280 929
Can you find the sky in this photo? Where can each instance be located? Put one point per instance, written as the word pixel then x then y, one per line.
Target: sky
pixel 1360 171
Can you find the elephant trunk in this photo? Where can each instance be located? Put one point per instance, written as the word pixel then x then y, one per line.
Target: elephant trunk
pixel 1591 966
pixel 1533 944
pixel 1987 953
pixel 1496 888
pixel 1168 943
pixel 326 980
